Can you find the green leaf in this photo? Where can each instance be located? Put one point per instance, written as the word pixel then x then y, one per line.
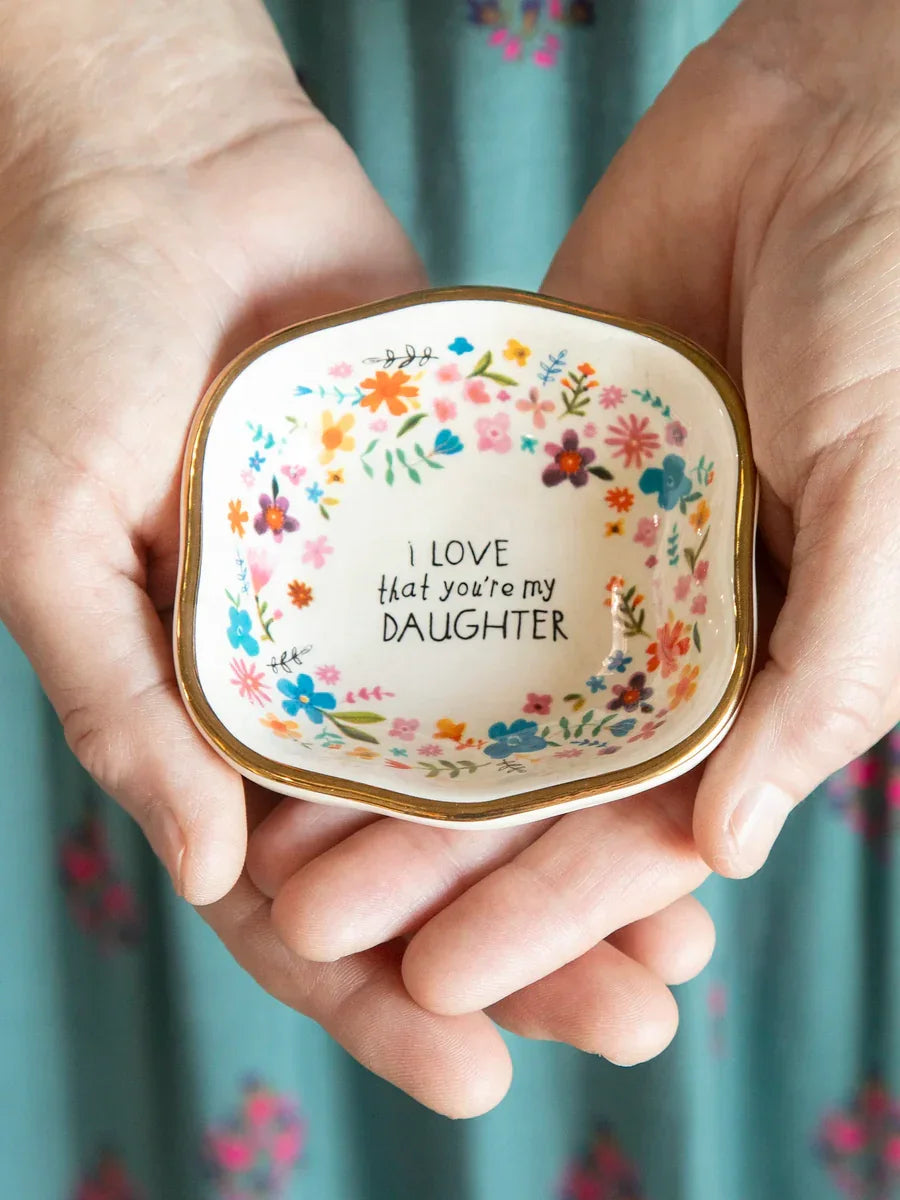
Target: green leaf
pixel 588 717
pixel 357 734
pixel 263 607
pixel 324 511
pixel 432 772
pixel 368 470
pixel 234 603
pixel 600 472
pixel 445 762
pixel 274 488
pixel 358 718
pixel 414 475
pixel 504 380
pixel 697 637
pixel 482 365
pixel 627 597
pixel 572 696
pixel 371 446
pixel 410 423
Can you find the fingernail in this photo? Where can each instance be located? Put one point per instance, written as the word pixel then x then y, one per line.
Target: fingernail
pixel 167 840
pixel 755 823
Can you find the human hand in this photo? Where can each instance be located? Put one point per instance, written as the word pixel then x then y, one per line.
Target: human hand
pixel 757 210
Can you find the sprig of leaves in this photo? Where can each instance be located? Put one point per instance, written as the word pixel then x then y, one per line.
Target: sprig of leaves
pixel 482 370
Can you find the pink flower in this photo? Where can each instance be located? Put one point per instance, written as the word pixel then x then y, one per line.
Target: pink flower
pixel 646 531
pixel 249 478
pixel 590 430
pixel 314 552
pixel 717 1000
pixel 277 614
pixel 340 370
pixel 701 570
pixel 535 703
pixel 493 433
pixel 651 561
pixel 513 49
pixel 261 568
pixel 536 407
pixel 571 753
pixel 676 433
pixel 260 1107
pixel 430 751
pixel 448 373
pixel 232 1152
pixel 250 683
pixel 476 391
pixel 444 410
pixel 498 37
pixel 379 425
pixel 612 397
pixel 683 587
pixel 646 731
pixel 294 473
pixel 845 1134
pixel 633 440
pixel 288 1146
pixel 329 675
pixel 892 1152
pixel 403 728
pixel 503 395
pixel 698 605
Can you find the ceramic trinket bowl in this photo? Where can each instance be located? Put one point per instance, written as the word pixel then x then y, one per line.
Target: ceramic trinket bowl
pixel 467 556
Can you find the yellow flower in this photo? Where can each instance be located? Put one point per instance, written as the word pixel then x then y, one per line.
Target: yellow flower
pixel 237 517
pixel 334 436
pixel 615 528
pixel 516 352
pixel 362 752
pixel 699 516
pixel 685 687
pixel 336 476
pixel 282 729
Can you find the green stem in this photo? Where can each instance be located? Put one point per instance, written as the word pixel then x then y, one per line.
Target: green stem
pixel 266 636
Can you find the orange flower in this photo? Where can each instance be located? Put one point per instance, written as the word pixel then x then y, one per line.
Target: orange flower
pixel 447 729
pixel 685 686
pixel 237 517
pixel 362 752
pixel 672 642
pixel 614 528
pixel 586 369
pixel 388 389
pixel 699 516
pixel 401 766
pixel 334 436
pixel 615 585
pixel 282 729
pixel 620 498
pixel 301 594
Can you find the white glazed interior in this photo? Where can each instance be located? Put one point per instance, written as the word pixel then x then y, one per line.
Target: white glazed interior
pixel 478 496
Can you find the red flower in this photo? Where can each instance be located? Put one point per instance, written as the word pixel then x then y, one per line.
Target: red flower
pixel 633 440
pixel 535 703
pixel 672 642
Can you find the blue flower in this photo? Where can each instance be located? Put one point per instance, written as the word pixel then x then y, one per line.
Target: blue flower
pixel 399 752
pixel 256 461
pixel 618 661
pixel 519 738
pixel 301 694
pixel 315 493
pixel 529 444
pixel 447 442
pixel 669 482
pixel 621 728
pixel 460 346
pixel 239 632
pixel 596 683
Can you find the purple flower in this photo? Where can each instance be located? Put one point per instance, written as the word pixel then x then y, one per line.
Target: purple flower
pixel 570 461
pixel 632 695
pixel 273 515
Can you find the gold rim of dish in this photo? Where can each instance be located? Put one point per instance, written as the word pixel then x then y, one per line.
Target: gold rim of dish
pixel 249 762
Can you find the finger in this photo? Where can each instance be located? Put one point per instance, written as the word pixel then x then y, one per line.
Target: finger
pixel 458 1066
pixel 591 873
pixel 385 881
pixel 675 944
pixel 295 833
pixel 100 650
pixel 831 686
pixel 603 1003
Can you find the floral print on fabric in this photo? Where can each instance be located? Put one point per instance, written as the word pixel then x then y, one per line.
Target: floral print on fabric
pixel 107 1180
pixel 98 898
pixel 253 1155
pixel 604 1173
pixel 867 792
pixel 530 31
pixel 860 1145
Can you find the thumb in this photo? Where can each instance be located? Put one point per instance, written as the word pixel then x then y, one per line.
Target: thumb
pixel 103 656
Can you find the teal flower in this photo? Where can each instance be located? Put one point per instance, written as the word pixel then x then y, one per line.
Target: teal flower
pixel 519 738
pixel 239 632
pixel 447 442
pixel 301 694
pixel 460 346
pixel 669 482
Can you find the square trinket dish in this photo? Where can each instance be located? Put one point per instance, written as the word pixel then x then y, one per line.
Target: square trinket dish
pixel 467 556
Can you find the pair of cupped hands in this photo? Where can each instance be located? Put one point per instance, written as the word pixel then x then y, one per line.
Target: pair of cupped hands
pixel 192 203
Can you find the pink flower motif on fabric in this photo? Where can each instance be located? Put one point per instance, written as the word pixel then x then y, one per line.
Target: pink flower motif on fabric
pixel 100 901
pixel 603 1173
pixel 253 1155
pixel 860 1144
pixel 867 792
pixel 108 1180
pixel 529 31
